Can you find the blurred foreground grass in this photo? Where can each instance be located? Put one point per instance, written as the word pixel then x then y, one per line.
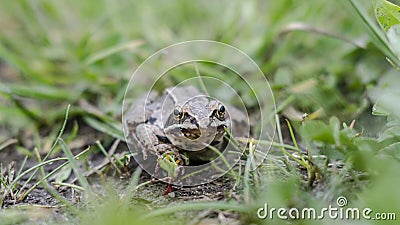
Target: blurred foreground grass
pixel 323 58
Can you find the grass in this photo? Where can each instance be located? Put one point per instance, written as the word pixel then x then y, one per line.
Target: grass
pixel 64 69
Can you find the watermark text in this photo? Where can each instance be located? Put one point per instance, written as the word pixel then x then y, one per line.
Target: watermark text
pixel 339 212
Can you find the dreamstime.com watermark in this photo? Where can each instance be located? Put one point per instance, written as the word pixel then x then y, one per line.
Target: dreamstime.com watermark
pixel 340 212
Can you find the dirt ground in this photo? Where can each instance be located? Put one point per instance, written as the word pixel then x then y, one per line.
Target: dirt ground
pixel 150 194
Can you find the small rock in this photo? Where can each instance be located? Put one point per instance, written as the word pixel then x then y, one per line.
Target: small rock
pixel 171 194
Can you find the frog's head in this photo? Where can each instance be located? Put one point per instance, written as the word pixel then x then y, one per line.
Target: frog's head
pixel 197 123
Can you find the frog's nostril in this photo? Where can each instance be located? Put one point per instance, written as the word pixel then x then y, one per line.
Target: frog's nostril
pixel 194 121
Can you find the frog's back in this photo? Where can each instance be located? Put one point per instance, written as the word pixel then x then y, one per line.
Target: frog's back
pixel 182 94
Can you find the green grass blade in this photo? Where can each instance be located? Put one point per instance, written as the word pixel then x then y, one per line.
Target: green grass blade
pixel 113 50
pixel 104 127
pixel 50 174
pixel 193 206
pixel 75 167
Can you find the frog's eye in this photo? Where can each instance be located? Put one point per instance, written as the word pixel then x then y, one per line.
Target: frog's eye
pixel 221 111
pixel 178 114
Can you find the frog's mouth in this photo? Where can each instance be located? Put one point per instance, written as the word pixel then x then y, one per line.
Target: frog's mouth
pixel 194 134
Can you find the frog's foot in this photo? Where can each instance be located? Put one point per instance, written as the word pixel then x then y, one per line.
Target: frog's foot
pixel 173 156
pixel 170 162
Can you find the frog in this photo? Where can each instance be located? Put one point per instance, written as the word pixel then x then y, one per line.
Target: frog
pixel 183 123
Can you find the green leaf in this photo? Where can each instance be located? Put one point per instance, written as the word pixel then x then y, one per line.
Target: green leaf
pixel 360 159
pixel 392 150
pixel 392 132
pixel 387 14
pixel 64 174
pixel 385 103
pixel 368 144
pixel 394 39
pixel 334 124
pixel 318 131
pixel 376 34
pixel 378 110
pixel 386 95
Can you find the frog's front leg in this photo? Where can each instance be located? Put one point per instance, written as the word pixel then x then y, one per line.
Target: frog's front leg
pixel 154 141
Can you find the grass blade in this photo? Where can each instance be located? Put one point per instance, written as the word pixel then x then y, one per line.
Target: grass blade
pixel 75 167
pixel 104 127
pixel 198 206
